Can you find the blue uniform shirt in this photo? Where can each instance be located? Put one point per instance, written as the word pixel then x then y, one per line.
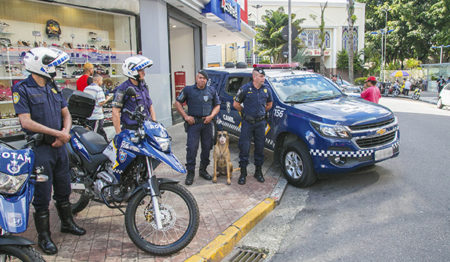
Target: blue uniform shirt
pixel 44 104
pixel 200 102
pixel 121 100
pixel 254 100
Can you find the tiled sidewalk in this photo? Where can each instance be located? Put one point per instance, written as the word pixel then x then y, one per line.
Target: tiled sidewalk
pixel 219 204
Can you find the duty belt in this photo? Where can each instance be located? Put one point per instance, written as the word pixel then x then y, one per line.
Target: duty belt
pixel 254 120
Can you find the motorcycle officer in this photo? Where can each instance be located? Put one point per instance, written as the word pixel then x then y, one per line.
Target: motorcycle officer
pixel 133 67
pixel 41 109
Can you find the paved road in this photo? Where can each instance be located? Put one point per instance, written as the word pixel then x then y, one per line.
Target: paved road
pixel 398 210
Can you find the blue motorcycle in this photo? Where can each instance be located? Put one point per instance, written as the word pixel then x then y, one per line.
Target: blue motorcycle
pixel 17 178
pixel 161 216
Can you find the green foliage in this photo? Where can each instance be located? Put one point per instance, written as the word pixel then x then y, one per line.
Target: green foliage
pixel 417 26
pixel 412 63
pixel 394 65
pixel 342 59
pixel 360 80
pixel 342 62
pixel 269 37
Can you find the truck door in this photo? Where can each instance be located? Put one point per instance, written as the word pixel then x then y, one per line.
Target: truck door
pixel 229 117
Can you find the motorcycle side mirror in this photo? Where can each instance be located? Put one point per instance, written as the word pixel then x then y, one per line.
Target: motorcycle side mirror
pixel 130 91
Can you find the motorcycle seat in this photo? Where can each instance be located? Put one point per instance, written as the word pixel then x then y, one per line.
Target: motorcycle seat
pixel 94 143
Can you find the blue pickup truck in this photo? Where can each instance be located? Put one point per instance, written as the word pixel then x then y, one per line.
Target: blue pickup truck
pixel 313 127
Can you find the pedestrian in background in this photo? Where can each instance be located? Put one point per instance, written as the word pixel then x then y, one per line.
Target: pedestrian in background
pixel 86 78
pixel 371 92
pixel 441 83
pixel 203 105
pixel 407 86
pixel 253 100
pixel 95 121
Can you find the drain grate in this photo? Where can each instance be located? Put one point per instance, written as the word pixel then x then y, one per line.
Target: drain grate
pixel 249 255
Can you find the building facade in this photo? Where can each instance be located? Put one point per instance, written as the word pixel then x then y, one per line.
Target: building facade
pixel 336 26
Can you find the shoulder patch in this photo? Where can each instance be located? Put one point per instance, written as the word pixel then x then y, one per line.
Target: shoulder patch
pixel 16 97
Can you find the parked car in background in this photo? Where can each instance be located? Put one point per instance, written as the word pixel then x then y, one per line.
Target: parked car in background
pixel 444 97
pixel 348 88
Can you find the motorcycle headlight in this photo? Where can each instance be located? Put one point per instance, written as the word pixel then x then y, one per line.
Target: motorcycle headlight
pixel 338 131
pixel 11 184
pixel 164 143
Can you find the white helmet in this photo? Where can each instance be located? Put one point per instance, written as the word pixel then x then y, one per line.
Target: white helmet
pixel 43 61
pixel 131 65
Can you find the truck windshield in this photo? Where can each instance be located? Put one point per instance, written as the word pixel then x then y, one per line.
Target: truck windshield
pixel 301 89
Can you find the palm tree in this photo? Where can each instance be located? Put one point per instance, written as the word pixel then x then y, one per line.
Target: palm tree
pixel 351 21
pixel 269 37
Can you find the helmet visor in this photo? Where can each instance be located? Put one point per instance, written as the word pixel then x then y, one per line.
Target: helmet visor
pixel 46 60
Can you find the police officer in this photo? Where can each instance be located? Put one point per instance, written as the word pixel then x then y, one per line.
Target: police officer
pixel 203 105
pixel 133 67
pixel 253 100
pixel 41 109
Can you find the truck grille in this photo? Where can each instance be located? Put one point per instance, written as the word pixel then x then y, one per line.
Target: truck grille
pixel 373 125
pixel 376 140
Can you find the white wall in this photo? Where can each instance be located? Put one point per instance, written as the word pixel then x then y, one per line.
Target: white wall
pixel 182 54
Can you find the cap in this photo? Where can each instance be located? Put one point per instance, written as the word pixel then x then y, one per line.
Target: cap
pixel 259 70
pixel 371 78
pixel 87 66
pixel 203 73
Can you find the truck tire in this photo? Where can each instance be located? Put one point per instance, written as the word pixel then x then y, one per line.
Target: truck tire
pixel 297 165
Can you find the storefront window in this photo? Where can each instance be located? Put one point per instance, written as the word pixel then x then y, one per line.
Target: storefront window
pixel 101 38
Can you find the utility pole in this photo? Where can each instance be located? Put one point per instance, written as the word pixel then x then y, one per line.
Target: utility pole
pixel 442 48
pixel 385 37
pixel 257 7
pixel 290 34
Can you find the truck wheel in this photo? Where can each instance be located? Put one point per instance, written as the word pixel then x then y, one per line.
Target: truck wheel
pixel 439 103
pixel 297 165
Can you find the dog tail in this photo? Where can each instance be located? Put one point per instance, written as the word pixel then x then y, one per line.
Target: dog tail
pixel 236 169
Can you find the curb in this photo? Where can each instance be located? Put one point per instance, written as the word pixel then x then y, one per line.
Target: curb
pixel 223 244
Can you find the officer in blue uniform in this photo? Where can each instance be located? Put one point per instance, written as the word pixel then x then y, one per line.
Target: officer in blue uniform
pixel 41 109
pixel 133 67
pixel 203 105
pixel 253 100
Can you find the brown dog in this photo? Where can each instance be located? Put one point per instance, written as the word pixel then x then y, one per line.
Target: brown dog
pixel 222 162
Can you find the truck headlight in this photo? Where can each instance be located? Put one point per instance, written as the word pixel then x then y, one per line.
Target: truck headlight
pixel 11 184
pixel 332 130
pixel 164 143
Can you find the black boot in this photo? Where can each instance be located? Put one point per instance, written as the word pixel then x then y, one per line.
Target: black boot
pixel 243 176
pixel 259 175
pixel 41 221
pixel 67 224
pixel 203 173
pixel 189 177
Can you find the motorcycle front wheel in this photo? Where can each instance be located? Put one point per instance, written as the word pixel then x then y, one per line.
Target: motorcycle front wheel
pixel 79 198
pixel 179 218
pixel 20 253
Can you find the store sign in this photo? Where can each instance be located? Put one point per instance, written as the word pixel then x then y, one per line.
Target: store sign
pixel 316 52
pixel 227 7
pixel 224 12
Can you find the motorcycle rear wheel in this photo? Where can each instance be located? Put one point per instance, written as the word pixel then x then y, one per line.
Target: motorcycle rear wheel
pixel 20 253
pixel 180 220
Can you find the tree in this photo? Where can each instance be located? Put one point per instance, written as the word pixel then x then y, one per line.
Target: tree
pixel 417 26
pixel 351 21
pixel 269 36
pixel 342 62
pixel 322 38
